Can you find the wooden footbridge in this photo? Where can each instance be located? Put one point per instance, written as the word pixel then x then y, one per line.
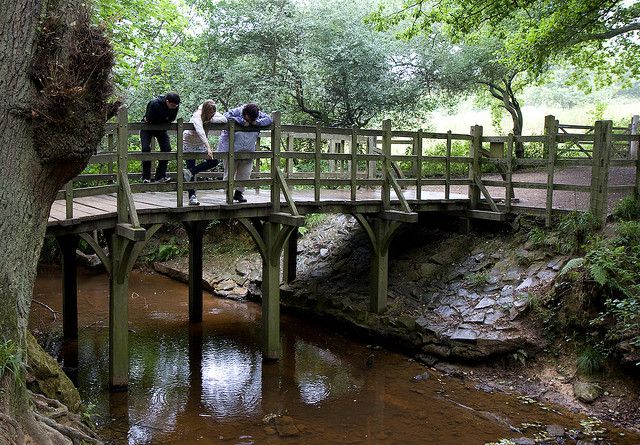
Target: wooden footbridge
pixel 383 177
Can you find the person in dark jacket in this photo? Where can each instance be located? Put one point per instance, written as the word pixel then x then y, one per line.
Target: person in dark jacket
pixel 162 110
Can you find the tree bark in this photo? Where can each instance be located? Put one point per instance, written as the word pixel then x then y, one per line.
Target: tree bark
pixel 55 79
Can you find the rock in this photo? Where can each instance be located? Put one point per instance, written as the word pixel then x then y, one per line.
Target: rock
pixel 428 360
pixel 546 275
pixel 529 282
pixel 46 377
pixel 555 430
pixel 484 388
pixel 584 442
pixel 507 292
pixel 492 279
pixel 557 263
pixel 446 311
pixel 225 285
pixel 587 392
pixel 324 252
pixel 479 257
pixel 485 302
pixel 464 335
pixel 420 377
pixel 511 275
pixel 428 270
pixel 286 427
pixel 523 441
pixel 492 317
pixel 475 317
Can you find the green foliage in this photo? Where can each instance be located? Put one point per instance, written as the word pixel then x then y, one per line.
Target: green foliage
pixel 598 37
pixel 628 208
pixel 591 359
pixel 478 279
pixel 312 221
pixel 10 361
pixel 574 229
pixel 166 250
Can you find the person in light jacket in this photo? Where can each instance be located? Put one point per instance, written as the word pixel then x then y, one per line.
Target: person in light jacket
pixel 248 115
pixel 196 141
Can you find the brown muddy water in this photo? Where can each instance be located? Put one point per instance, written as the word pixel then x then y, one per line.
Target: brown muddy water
pixel 207 384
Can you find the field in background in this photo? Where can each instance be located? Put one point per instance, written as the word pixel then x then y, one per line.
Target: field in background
pixel 460 120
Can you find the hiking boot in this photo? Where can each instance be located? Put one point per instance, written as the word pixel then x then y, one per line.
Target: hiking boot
pixel 146 181
pixel 238 196
pixel 193 201
pixel 163 180
pixel 187 175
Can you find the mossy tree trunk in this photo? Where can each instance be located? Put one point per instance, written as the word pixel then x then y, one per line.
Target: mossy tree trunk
pixel 55 81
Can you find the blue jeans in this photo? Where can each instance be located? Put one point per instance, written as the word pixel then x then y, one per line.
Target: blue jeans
pixel 195 169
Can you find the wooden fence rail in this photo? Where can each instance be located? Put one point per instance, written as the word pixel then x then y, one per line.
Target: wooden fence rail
pixel 321 158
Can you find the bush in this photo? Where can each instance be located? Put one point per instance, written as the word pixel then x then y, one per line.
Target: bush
pixel 627 209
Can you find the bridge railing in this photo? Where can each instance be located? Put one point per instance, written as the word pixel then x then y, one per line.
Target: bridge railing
pixel 381 164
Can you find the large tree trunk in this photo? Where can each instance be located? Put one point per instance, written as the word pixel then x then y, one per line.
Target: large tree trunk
pixel 55 80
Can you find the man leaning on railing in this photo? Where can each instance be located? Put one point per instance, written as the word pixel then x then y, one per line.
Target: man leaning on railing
pixel 246 116
pixel 162 110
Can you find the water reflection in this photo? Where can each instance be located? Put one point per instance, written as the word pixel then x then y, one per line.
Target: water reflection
pixel 320 374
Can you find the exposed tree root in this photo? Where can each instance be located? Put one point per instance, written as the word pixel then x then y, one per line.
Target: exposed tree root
pixel 10 431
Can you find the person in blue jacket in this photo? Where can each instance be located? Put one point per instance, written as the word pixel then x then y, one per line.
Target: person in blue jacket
pixel 162 110
pixel 248 115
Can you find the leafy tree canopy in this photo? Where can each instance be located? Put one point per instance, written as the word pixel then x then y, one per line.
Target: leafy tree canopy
pixel 597 36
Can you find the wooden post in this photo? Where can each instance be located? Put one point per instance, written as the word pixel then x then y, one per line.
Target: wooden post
pixel 380 232
pixel 179 162
pixel 332 149
pixel 633 146
pixel 508 193
pixel 354 163
pixel 195 232
pixel 372 142
pixel 270 238
pixel 118 314
pixel 110 147
pixel 447 167
pixel 474 167
pixel 231 163
pixel 386 164
pixel 276 136
pixel 68 245
pixel 123 147
pixel 600 170
pixel 420 137
pixel 68 199
pixel 290 257
pixel 551 149
pixel 289 149
pixel 317 169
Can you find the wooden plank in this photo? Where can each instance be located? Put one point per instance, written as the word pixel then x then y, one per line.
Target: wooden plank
pixel 287 219
pixel 395 215
pixel 130 232
pixel 386 171
pixel 447 167
pixel 486 215
pixel 508 194
pixel 179 163
pixel 600 170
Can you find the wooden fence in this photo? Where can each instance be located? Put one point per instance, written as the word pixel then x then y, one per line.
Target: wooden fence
pixel 316 157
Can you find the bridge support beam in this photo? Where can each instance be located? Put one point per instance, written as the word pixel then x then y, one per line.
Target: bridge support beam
pixel 68 245
pixel 125 245
pixel 380 232
pixel 270 237
pixel 195 232
pixel 290 257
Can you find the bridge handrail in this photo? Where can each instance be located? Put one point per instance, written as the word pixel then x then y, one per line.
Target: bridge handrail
pixel 355 158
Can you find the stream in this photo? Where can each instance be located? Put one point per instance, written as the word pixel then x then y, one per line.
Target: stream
pixel 208 384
